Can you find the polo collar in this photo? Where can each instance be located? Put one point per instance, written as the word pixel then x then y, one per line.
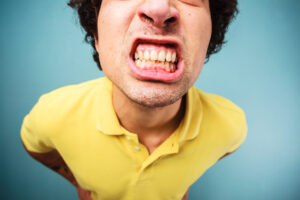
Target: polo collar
pixel 109 124
pixel 108 121
pixel 189 127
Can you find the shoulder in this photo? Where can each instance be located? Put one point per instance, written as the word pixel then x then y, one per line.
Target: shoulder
pixel 219 105
pixel 71 93
pixel 63 105
pixel 225 118
pixel 57 112
pixel 214 101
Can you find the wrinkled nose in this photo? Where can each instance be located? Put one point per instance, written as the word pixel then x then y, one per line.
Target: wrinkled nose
pixel 158 12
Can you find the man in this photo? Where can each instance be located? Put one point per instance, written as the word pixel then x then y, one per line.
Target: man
pixel 143 131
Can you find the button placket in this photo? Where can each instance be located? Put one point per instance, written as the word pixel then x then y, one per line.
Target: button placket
pixel 137 148
pixel 128 138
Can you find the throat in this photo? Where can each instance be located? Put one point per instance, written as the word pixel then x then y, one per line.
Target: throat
pixel 152 143
pixel 152 125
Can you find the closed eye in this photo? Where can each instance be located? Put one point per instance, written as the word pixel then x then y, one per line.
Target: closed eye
pixel 192 2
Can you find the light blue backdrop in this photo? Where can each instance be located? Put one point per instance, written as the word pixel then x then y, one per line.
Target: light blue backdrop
pixel 42 49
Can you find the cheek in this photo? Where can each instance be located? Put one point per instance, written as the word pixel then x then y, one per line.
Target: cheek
pixel 197 33
pixel 198 29
pixel 113 24
pixel 114 20
pixel 107 30
pixel 108 39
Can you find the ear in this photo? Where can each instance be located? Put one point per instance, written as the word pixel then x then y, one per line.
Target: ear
pixel 96 43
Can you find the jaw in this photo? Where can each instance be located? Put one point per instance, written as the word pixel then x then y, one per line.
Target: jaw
pixel 149 87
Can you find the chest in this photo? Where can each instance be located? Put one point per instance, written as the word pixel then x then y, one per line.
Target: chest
pixel 114 167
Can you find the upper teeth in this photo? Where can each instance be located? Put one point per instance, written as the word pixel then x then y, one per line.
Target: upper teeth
pixel 169 56
pixel 147 55
pixel 155 56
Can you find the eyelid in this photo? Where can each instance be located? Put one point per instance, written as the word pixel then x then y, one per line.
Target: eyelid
pixel 192 2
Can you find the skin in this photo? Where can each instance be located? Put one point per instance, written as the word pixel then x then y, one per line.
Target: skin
pixel 153 110
pixel 54 161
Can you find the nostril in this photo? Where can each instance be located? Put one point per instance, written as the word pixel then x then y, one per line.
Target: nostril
pixel 158 13
pixel 170 20
pixel 146 18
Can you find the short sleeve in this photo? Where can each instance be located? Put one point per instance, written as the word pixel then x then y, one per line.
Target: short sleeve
pixel 33 137
pixel 241 136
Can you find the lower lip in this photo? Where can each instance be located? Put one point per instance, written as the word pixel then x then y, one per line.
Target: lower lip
pixel 157 75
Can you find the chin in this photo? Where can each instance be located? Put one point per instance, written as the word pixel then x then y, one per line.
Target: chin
pixel 154 97
pixel 154 103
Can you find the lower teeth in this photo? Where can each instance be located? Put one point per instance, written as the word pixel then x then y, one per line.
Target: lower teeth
pixel 167 66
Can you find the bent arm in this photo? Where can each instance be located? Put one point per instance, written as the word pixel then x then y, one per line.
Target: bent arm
pixel 185 197
pixel 227 154
pixel 54 161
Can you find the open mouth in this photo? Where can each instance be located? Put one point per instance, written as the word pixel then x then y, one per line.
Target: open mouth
pixel 158 60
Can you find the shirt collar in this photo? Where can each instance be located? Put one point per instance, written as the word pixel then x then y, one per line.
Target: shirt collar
pixel 108 121
pixel 109 124
pixel 189 127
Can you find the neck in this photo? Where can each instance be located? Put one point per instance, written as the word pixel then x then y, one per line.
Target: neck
pixel 144 121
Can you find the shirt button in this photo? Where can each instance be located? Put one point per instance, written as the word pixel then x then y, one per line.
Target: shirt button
pixel 127 137
pixel 137 148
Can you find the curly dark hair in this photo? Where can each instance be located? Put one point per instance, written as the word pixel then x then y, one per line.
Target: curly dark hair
pixel 222 13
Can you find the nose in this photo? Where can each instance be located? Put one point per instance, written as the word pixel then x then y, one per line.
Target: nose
pixel 158 12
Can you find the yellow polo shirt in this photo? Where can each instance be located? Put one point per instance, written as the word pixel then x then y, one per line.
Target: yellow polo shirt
pixel 79 121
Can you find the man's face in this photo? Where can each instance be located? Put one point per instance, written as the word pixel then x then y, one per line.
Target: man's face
pixel 153 50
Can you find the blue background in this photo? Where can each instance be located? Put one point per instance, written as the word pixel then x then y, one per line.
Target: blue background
pixel 42 49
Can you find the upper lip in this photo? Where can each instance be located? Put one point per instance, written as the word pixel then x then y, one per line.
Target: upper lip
pixel 163 41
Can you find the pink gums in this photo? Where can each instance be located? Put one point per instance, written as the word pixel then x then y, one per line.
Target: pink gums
pixel 156 72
